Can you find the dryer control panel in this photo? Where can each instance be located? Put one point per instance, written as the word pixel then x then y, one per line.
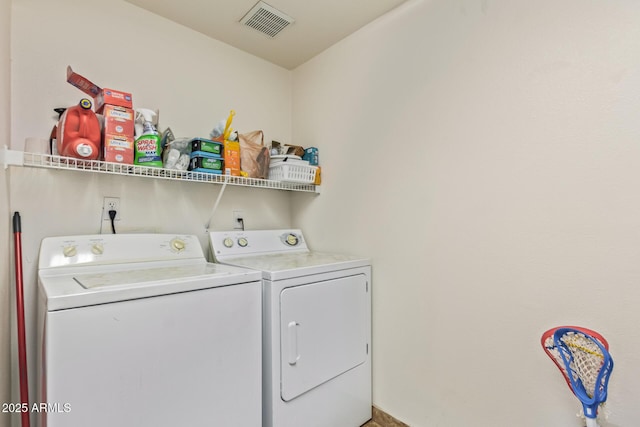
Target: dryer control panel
pixel 256 242
pixel 117 249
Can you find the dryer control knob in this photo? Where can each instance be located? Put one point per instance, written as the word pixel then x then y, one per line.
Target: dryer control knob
pixel 69 251
pixel 178 245
pixel 243 242
pixel 228 242
pixel 291 239
pixel 97 249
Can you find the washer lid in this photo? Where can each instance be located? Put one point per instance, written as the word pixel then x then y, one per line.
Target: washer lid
pixel 288 265
pixel 85 286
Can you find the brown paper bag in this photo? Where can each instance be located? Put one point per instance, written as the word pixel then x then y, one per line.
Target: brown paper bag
pixel 254 156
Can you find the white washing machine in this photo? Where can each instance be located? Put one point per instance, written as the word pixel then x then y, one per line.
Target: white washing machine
pixel 316 328
pixel 140 330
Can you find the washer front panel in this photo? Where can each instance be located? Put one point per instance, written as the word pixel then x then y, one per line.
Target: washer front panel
pixel 192 358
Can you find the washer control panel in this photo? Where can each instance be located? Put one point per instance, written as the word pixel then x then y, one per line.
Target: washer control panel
pixel 255 242
pixel 117 248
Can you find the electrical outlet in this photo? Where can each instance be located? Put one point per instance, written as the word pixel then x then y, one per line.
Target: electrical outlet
pixel 238 220
pixel 111 204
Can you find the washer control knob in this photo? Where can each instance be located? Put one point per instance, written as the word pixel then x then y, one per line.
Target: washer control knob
pixel 177 245
pixel 228 242
pixel 97 248
pixel 243 242
pixel 69 251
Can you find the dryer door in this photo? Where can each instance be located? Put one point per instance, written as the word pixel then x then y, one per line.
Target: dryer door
pixel 323 332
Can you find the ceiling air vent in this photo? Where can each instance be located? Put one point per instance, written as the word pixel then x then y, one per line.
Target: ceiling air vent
pixel 266 19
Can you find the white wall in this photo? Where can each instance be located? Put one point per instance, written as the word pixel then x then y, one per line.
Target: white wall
pixel 193 80
pixel 486 155
pixel 5 275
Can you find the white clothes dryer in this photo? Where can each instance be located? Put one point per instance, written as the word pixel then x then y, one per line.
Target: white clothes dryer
pixel 140 330
pixel 316 328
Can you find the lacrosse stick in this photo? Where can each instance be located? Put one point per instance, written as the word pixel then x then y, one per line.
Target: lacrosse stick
pixel 588 365
pixel 552 351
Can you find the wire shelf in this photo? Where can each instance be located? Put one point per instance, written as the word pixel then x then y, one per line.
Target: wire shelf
pixel 48 161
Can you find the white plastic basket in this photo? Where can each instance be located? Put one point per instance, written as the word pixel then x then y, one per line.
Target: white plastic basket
pixel 303 174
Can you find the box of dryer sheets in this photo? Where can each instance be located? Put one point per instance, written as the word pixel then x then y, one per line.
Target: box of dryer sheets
pixel 117 134
pixel 206 146
pixel 101 96
pixel 204 162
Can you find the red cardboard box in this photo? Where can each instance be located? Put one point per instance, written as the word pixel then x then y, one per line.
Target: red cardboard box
pixel 118 120
pixel 101 97
pixel 118 149
pixel 118 134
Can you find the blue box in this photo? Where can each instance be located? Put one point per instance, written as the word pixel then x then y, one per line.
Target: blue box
pixel 311 155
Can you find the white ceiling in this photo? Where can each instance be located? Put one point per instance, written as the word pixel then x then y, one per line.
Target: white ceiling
pixel 318 23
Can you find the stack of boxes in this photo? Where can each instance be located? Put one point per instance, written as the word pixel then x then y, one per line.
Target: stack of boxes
pixel 117 110
pixel 206 156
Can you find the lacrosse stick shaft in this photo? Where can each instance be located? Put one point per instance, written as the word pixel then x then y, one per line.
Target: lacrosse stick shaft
pixel 591 422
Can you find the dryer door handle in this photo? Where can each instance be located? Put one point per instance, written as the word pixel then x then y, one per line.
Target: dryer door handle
pixel 293 342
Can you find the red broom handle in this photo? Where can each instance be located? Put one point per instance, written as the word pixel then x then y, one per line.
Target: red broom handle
pixel 22 336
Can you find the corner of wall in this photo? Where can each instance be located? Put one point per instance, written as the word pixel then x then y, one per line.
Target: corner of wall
pixel 5 122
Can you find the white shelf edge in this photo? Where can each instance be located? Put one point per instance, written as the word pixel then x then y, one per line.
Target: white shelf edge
pixel 11 157
pixel 47 161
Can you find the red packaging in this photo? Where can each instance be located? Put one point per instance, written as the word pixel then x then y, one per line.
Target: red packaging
pixel 118 149
pixel 78 133
pixel 101 97
pixel 118 120
pixel 118 134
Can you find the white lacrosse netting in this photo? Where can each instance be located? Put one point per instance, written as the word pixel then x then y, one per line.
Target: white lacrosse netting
pixel 587 360
pixel 552 350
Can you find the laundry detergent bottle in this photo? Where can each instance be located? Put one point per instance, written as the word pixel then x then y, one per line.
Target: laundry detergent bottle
pixel 147 147
pixel 78 132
